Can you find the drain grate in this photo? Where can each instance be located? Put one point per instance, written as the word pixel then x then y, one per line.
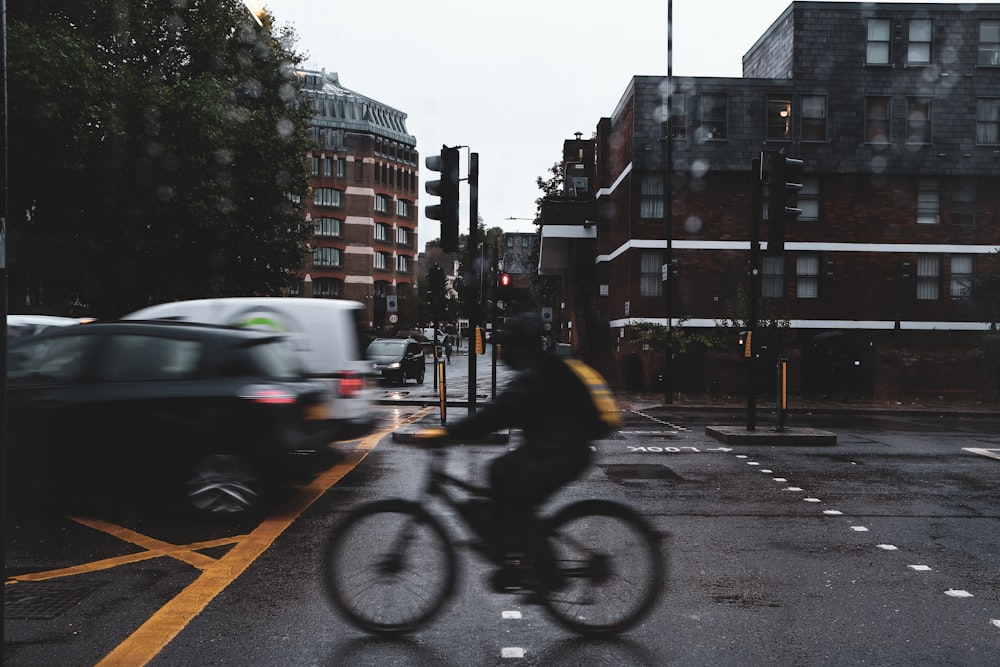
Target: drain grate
pixel 44 600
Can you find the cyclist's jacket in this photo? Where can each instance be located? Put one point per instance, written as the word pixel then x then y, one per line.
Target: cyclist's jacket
pixel 562 403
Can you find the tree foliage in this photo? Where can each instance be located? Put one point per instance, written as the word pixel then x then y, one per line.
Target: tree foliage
pixel 154 146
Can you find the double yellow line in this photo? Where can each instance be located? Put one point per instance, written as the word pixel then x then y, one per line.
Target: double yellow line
pixel 216 574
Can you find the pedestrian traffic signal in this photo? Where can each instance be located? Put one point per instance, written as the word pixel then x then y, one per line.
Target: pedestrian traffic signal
pixel 447 189
pixel 505 287
pixel 783 181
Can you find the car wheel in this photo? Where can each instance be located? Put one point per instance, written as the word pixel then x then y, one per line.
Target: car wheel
pixel 222 484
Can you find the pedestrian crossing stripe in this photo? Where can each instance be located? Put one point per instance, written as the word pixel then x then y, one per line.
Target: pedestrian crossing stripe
pixel 992 453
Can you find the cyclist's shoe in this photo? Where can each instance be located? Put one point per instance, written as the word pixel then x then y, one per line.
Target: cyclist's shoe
pixel 514 576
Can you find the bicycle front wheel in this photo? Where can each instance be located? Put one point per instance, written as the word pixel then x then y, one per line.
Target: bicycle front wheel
pixel 606 570
pixel 389 567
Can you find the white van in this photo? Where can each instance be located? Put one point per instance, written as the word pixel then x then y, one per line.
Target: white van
pixel 325 333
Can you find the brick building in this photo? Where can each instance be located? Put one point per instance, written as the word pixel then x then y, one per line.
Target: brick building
pixel 895 111
pixel 365 179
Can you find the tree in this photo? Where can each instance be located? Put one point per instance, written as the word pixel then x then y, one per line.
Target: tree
pixel 157 153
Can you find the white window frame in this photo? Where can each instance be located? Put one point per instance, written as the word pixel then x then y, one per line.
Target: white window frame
pixel 929 201
pixel 327 227
pixel 962 270
pixel 651 273
pixel 879 49
pixel 807 275
pixel 928 277
pixel 330 197
pixel 920 33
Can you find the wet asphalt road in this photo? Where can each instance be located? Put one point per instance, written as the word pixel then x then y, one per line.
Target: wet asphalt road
pixel 883 549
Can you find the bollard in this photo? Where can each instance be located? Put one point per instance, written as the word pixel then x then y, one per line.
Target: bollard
pixel 782 398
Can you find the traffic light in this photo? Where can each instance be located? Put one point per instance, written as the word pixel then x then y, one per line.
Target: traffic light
pixel 783 181
pixel 447 189
pixel 505 288
pixel 437 290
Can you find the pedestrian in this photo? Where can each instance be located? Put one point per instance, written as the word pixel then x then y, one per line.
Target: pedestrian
pixel 447 348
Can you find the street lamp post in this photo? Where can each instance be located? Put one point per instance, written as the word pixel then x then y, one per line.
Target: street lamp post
pixel 668 213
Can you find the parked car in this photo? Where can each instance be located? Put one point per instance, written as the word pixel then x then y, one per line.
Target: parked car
pixel 397 359
pixel 29 325
pixel 144 411
pixel 324 332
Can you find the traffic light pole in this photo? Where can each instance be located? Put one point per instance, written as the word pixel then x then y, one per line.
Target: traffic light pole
pixel 475 314
pixel 753 289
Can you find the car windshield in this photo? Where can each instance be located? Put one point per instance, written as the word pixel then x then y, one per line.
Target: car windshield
pixel 386 348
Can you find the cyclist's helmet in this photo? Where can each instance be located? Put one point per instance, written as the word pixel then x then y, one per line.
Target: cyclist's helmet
pixel 521 331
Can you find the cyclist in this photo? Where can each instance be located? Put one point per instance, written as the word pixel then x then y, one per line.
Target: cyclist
pixel 560 405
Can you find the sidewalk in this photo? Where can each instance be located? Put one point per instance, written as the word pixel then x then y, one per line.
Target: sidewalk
pixel 957 406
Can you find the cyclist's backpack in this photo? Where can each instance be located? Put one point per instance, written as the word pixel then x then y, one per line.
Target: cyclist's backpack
pixel 604 404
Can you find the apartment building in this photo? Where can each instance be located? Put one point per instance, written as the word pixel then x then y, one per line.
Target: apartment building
pixel 895 111
pixel 365 180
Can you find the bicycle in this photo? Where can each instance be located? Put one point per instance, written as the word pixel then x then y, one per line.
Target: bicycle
pixel 390 565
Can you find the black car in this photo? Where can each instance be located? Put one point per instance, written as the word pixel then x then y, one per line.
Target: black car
pixel 397 359
pixel 144 411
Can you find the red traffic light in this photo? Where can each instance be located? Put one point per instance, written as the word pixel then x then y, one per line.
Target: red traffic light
pixel 504 280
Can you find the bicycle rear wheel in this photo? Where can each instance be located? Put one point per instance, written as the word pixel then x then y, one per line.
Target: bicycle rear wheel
pixel 389 567
pixel 607 569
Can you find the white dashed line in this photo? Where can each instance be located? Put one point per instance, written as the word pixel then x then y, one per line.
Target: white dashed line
pixel 833 512
pixel 511 614
pixel 996 622
pixel 812 500
pixel 792 488
pixel 859 529
pixel 512 652
pixel 780 479
pixel 958 593
pixel 887 547
pixel 920 568
pixel 766 471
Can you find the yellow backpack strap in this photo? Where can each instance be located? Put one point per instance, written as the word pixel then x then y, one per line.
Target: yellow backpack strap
pixel 599 392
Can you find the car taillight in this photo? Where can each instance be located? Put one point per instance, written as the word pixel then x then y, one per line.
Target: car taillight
pixel 269 395
pixel 350 383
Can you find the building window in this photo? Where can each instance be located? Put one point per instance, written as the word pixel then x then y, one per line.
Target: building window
pixel 326 197
pixel 651 197
pixel 779 118
pixel 928 277
pixel 382 203
pixel 918 120
pixel 988 120
pixel 327 227
pixel 928 201
pixel 877 119
pixel 314 170
pixel 918 48
pixel 330 288
pixel 403 236
pixel 326 257
pixel 807 199
pixel 382 261
pixel 963 202
pixel 328 166
pixel 961 277
pixel 650 274
pixel 677 116
pixel 879 38
pixel 807 275
pixel 714 117
pixel 813 118
pixel 403 208
pixel 381 231
pixel 341 167
pixel 402 264
pixel 989 43
pixel 772 284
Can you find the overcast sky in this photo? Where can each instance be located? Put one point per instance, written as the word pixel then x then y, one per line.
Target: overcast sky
pixel 513 79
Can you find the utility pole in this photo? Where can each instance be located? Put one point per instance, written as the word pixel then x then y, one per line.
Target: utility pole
pixel 753 288
pixel 475 316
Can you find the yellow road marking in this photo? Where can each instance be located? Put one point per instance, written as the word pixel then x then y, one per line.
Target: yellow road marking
pixel 153 635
